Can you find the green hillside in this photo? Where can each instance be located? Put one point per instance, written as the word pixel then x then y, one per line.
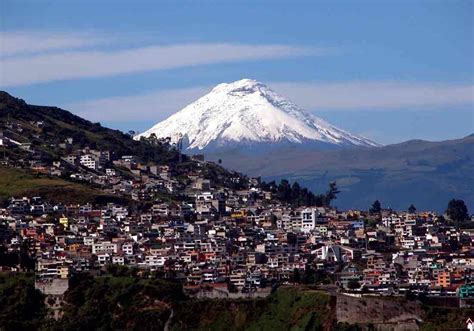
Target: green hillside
pixel 22 182
pixel 286 309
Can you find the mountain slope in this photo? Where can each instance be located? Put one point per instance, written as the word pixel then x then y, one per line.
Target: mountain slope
pixel 247 112
pixel 43 126
pixel 427 174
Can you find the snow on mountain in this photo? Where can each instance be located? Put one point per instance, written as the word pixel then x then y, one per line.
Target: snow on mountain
pixel 248 112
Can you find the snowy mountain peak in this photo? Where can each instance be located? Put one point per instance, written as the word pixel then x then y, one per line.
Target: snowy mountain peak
pixel 247 112
pixel 241 86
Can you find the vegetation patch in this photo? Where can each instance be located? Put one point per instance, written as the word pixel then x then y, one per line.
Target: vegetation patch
pixel 21 182
pixel 285 309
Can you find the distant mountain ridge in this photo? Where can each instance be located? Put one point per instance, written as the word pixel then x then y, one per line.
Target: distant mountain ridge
pixel 425 173
pixel 248 113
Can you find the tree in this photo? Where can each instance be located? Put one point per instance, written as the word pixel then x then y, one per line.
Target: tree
pixel 296 276
pixel 412 209
pixel 284 191
pixel 231 287
pixel 153 140
pixel 376 207
pixel 296 193
pixel 409 295
pixel 331 193
pixel 273 219
pixel 353 284
pixel 457 211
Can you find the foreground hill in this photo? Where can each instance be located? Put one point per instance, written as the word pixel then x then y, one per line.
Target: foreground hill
pixel 425 173
pixel 44 127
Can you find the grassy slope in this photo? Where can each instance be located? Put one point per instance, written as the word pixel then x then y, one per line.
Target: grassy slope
pixel 19 182
pixel 286 309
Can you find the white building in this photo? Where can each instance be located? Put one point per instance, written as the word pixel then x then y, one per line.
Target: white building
pixel 127 249
pixel 89 161
pixel 336 253
pixel 120 260
pixel 104 247
pixel 155 260
pixel 308 220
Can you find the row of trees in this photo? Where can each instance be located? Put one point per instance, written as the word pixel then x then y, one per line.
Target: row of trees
pixel 296 195
pixel 377 208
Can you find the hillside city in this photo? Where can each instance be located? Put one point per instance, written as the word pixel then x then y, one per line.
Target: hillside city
pixel 237 239
pixel 236 165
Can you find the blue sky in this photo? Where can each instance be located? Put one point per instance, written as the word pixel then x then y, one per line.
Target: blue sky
pixel 390 70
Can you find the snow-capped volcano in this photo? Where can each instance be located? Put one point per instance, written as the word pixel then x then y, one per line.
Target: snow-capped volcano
pixel 247 112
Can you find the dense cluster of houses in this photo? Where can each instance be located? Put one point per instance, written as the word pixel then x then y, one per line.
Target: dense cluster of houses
pixel 225 238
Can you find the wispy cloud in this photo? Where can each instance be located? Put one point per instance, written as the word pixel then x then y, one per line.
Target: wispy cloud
pixel 158 105
pixel 88 64
pixel 374 95
pixel 151 106
pixel 30 42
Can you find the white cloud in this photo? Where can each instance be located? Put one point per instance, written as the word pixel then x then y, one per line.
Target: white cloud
pixel 86 64
pixel 27 42
pixel 373 95
pixel 158 105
